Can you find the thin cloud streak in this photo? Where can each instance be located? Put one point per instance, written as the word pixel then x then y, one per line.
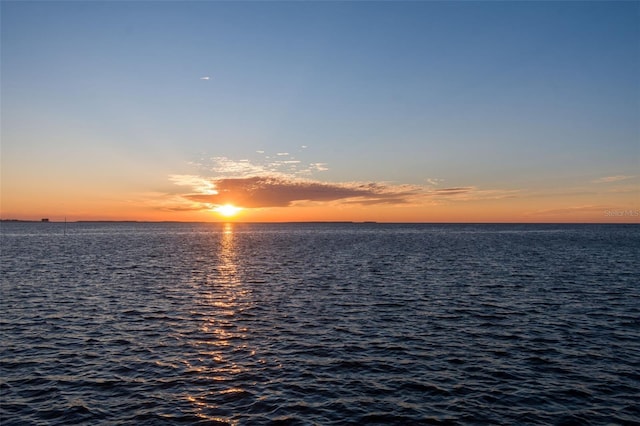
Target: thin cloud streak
pixel 453 191
pixel 609 179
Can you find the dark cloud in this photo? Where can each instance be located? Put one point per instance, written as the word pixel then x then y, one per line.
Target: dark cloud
pixel 269 191
pixel 280 190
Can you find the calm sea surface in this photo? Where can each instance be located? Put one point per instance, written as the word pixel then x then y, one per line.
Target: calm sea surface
pixel 134 323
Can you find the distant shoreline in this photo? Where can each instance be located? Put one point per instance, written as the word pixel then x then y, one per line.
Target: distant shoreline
pixel 318 222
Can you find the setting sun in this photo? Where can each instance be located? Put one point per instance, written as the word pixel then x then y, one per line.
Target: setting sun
pixel 227 210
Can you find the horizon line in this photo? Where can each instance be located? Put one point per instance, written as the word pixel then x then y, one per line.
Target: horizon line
pixel 363 222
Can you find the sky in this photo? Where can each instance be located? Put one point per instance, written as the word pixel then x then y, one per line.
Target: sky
pixel 312 111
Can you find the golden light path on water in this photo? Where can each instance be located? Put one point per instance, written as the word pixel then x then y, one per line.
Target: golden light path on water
pixel 225 299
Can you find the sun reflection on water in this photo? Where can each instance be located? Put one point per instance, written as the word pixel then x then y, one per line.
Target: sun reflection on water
pixel 227 255
pixel 222 336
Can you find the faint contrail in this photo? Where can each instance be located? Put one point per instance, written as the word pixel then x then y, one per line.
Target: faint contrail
pixel 205 78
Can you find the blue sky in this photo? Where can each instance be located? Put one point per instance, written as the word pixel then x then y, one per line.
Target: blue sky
pixel 500 95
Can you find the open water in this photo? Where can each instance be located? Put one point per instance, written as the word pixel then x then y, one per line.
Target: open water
pixel 134 323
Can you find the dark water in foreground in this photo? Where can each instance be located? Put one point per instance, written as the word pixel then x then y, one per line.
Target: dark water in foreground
pixel 319 324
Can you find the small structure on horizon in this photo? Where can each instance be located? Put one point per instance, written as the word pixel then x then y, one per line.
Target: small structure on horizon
pixel 46 219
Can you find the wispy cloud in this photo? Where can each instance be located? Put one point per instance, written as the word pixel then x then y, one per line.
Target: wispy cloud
pixel 609 179
pixel 224 166
pixel 197 183
pixel 321 167
pixel 206 77
pixel 281 164
pixel 622 189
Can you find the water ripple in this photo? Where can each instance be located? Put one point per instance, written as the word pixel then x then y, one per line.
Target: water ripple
pixel 319 324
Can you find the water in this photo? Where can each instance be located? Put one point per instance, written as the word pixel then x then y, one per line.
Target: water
pixel 319 324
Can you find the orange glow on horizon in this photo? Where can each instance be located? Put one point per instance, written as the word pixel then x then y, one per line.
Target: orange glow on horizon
pixel 607 208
